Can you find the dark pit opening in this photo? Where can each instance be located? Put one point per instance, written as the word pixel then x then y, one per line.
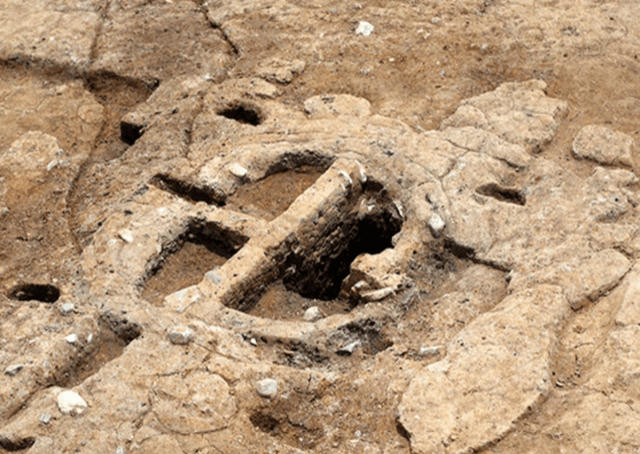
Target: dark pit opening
pixel 184 190
pixel 16 444
pixel 201 248
pixel 503 194
pixel 368 228
pixel 130 133
pixel 243 113
pixel 38 292
pixel 277 423
pixel 271 196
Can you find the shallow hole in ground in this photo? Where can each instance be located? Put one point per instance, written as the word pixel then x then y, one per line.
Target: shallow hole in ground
pixel 38 292
pixel 200 249
pixel 271 196
pixel 502 194
pixel 118 95
pixel 277 302
pixel 115 332
pixel 243 113
pixel 183 190
pixel 282 422
pixel 14 444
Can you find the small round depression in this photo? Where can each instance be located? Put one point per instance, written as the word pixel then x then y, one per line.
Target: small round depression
pixel 243 113
pixel 38 292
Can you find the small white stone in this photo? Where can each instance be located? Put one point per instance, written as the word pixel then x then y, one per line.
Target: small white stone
pixel 181 335
pixel 364 28
pixel 13 369
pixel 349 348
pixel 430 351
pixel 436 225
pixel 237 170
pixel 253 342
pixel 45 418
pixel 267 388
pixel 67 308
pixel 377 295
pixel 436 20
pixel 72 338
pixel 70 403
pixel 312 314
pixel 126 235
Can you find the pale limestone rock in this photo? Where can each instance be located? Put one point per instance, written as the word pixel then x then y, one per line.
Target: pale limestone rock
pixel 436 225
pixel 267 388
pixel 519 113
pixel 312 314
pixel 13 369
pixel 494 372
pixel 181 335
pixel 604 146
pixel 364 28
pixel 71 403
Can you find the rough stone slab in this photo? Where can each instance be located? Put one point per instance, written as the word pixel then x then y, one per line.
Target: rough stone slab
pixel 159 42
pixel 519 113
pixel 604 146
pixel 494 372
pixel 62 38
pixel 582 278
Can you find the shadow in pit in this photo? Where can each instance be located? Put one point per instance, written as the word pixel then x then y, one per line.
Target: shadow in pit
pixel 184 263
pixel 15 444
pixel 113 336
pixel 44 293
pixel 314 275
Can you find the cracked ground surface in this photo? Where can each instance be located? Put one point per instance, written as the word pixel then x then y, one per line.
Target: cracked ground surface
pixel 235 226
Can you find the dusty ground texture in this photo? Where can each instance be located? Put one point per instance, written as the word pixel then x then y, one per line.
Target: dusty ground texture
pixel 352 227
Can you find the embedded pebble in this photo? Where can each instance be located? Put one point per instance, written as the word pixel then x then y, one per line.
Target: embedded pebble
pixel 377 295
pixel 312 314
pixel 71 403
pixel 71 338
pixel 430 351
pixel 13 369
pixel 126 235
pixel 45 418
pixel 364 28
pixel 237 170
pixel 267 388
pixel 181 335
pixel 349 348
pixel 253 342
pixel 67 308
pixel 436 225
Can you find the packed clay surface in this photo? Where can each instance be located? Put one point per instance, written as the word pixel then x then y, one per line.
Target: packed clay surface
pixel 319 227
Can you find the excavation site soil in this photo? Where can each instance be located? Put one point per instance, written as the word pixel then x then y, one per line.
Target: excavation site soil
pixel 251 226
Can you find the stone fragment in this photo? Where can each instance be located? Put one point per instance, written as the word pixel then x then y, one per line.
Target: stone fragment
pixel 377 295
pixel 349 348
pixel 436 225
pixel 267 388
pixel 430 351
pixel 71 403
pixel 237 170
pixel 13 369
pixel 71 338
pixel 126 235
pixel 312 314
pixel 67 308
pixel 364 28
pixel 181 335
pixel 45 418
pixel 604 146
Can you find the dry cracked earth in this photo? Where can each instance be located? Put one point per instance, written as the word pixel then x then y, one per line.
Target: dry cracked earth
pixel 235 226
